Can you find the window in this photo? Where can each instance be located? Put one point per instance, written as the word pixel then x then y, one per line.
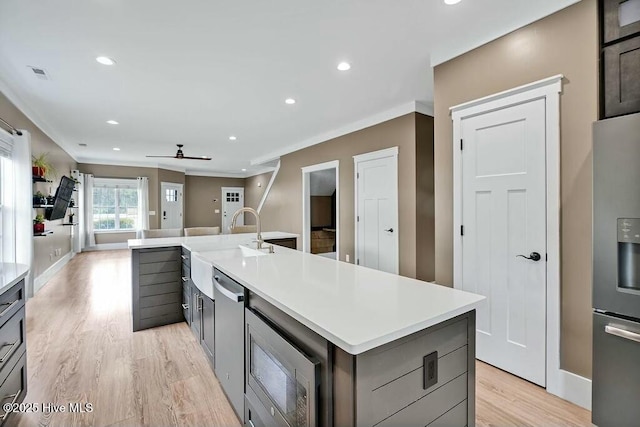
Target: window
pixel 233 197
pixel 115 204
pixel 171 195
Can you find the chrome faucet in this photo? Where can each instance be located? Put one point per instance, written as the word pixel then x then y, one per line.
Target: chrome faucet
pixel 258 229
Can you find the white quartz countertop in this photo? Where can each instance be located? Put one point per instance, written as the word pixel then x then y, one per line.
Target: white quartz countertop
pixel 354 307
pixel 10 274
pixel 207 243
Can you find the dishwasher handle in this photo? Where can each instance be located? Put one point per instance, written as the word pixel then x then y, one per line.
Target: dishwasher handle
pixel 234 296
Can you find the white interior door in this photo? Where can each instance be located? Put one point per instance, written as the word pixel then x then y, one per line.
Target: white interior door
pixel 377 210
pixel 232 200
pixel 171 205
pixel 503 217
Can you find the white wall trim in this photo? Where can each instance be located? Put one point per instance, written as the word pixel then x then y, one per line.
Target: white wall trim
pixel 269 185
pixel 548 89
pixel 380 154
pixel 106 247
pixel 392 113
pixel 48 274
pixel 306 203
pixel 387 152
pixel 574 388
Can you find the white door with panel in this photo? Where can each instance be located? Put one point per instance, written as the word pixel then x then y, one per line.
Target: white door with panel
pixel 377 210
pixel 232 200
pixel 504 235
pixel 171 205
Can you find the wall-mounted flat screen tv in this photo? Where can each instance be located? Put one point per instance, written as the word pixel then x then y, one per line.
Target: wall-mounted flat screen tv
pixel 62 198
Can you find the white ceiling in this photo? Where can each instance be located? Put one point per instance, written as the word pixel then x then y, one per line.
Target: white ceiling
pixel 195 72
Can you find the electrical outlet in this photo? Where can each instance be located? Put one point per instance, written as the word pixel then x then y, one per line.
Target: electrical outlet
pixel 347 258
pixel 51 256
pixel 216 211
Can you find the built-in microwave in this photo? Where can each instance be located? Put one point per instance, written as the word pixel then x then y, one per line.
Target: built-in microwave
pixel 282 382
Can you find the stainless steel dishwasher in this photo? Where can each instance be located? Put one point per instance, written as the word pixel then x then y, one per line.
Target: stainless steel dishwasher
pixel 229 338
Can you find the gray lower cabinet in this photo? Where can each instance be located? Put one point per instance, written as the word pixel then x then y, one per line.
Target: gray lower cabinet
pixel 196 312
pixel 13 349
pixel 157 291
pixel 207 327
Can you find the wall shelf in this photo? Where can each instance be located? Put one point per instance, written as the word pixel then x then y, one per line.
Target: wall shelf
pixel 42 206
pixel 70 223
pixel 44 233
pixel 40 179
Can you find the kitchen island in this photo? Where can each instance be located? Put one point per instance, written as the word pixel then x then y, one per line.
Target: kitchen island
pixel 328 343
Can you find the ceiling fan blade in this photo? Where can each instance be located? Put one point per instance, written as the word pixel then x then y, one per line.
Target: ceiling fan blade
pixel 196 158
pixel 166 157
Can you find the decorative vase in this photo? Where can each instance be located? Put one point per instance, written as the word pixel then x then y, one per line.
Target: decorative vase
pixel 38 228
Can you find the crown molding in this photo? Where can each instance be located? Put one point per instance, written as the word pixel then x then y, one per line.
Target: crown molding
pixel 398 111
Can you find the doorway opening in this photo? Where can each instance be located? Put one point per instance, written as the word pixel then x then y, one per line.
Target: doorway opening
pixel 321 209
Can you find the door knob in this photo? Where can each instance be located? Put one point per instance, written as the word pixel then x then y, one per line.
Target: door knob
pixel 389 230
pixel 533 256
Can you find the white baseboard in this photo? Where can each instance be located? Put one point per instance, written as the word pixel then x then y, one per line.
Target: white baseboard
pixel 106 247
pixel 42 279
pixel 574 388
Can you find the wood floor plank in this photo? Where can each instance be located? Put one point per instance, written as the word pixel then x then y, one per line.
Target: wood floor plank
pixel 81 348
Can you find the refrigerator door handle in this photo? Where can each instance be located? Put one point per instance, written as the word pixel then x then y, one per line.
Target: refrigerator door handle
pixel 622 333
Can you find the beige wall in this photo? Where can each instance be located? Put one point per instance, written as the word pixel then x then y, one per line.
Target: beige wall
pixel 200 191
pixel 253 193
pixel 43 247
pixel 425 225
pixel 283 207
pixel 564 43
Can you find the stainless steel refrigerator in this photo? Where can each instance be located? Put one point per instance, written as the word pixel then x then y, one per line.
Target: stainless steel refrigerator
pixel 616 272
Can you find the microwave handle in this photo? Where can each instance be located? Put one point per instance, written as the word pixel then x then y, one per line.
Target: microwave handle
pixel 622 333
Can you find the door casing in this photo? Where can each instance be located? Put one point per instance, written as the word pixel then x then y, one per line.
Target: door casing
pixel 387 152
pixel 548 89
pixel 180 187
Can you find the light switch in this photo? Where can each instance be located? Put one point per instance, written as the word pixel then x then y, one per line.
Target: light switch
pixel 217 211
pixel 152 212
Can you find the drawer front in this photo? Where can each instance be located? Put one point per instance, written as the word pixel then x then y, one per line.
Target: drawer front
pixel 159 267
pixel 431 407
pixel 394 396
pixel 13 388
pixel 390 363
pixel 156 278
pixel 11 301
pixel 186 304
pixel 186 256
pixel 159 256
pixel 186 272
pixel 12 339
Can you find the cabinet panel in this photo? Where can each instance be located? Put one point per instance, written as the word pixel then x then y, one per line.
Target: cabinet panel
pixel 208 325
pixel 621 82
pixel 13 388
pixel 11 301
pixel 12 339
pixel 621 18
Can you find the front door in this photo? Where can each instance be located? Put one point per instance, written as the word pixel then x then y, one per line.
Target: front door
pixel 504 235
pixel 232 200
pixel 171 205
pixel 377 212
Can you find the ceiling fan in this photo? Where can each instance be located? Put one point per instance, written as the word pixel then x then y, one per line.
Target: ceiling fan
pixel 180 155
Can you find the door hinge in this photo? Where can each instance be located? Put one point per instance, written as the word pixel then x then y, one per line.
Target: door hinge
pixel 358 175
pixel 462 230
pixel 461 144
pixel 358 218
pixel 357 262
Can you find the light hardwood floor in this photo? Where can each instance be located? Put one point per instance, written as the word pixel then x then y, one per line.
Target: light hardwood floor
pixel 81 349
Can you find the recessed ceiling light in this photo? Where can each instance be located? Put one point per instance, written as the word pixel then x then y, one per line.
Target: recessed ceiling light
pixel 244 170
pixel 105 60
pixel 452 1
pixel 232 138
pixel 112 122
pixel 290 101
pixel 116 149
pixel 344 66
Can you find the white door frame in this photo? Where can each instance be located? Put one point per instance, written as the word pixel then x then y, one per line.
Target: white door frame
pixel 163 199
pixel 306 203
pixel 559 382
pixel 223 190
pixel 380 154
